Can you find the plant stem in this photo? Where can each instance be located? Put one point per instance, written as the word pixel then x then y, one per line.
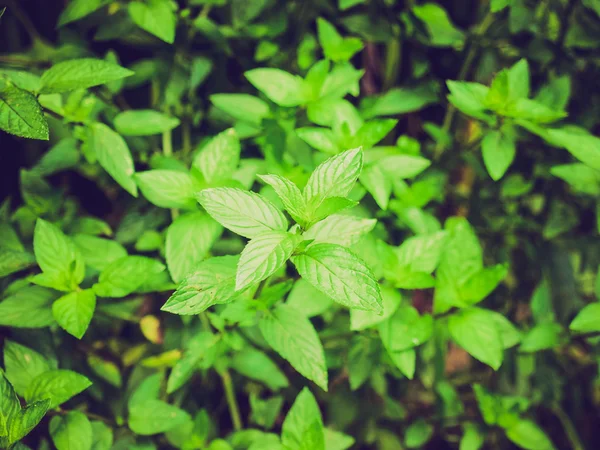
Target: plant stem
pixel 186 137
pixel 569 428
pixel 260 288
pixel 234 409
pixel 167 145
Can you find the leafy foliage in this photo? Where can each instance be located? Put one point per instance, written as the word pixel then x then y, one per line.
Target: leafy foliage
pixel 268 225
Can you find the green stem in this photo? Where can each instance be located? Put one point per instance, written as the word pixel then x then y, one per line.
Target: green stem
pixel 234 409
pixel 260 288
pixel 569 428
pixel 167 144
pixel 392 65
pixel 186 137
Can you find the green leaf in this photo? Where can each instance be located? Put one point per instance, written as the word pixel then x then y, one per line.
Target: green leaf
pixel 22 365
pixel 473 438
pixel 57 256
pixel 403 100
pixel 333 178
pixel 279 86
pixel 71 431
pixel 339 273
pixel 293 336
pixel 56 385
pixel 475 331
pixel 102 436
pixel 289 194
pixel 469 98
pixel 97 252
pixel 144 122
pixel 168 188
pixel 263 256
pixel 21 114
pixel 212 283
pixel 106 370
pixel 528 435
pixel 126 275
pixel 9 406
pixel 343 79
pixel 244 107
pixel 406 329
pixel 541 337
pixel 74 311
pixel 588 319
pixel 335 47
pixel 244 11
pixel 482 283
pixel 308 300
pixel 80 74
pixel 220 157
pixel 255 365
pixel 12 261
pixel 303 426
pixel 377 183
pixel 582 178
pixel 151 416
pixel 30 307
pixel 418 434
pixel 78 9
pixel 61 156
pixel 403 166
pixel 113 155
pixel 363 355
pixel 498 151
pixel 156 17
pixel 189 239
pixel 340 229
pixel 361 320
pixel 245 213
pixel 497 6
pixel 372 132
pixel 442 32
pixel 197 349
pixel 321 139
pixel 422 253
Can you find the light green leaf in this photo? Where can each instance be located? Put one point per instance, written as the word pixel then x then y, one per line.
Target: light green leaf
pixel 289 194
pixel 151 416
pixel 12 261
pixel 588 319
pixel 244 107
pixel 403 166
pixel 321 139
pixel 339 229
pixel 475 331
pixel 528 435
pixel 336 440
pixel 57 256
pixel 245 213
pixel 335 47
pixel 473 437
pixel 168 188
pixel 188 242
pixel 61 156
pixel 212 283
pixel 293 336
pixel 582 178
pixel 78 9
pixel 9 406
pixel 80 74
pixel 469 98
pixel 144 122
pixel 339 273
pixel 263 256
pixel 527 109
pixel 422 253
pixel 22 365
pixel 106 370
pixel 279 86
pixel 579 142
pixel 541 337
pixel 102 436
pixel 56 385
pixel 308 300
pixel 97 252
pixel 303 426
pixel 126 275
pixel 113 155
pixel 402 100
pixel 482 283
pixel 361 320
pixel 406 329
pixel 255 365
pixel 333 178
pixel 198 347
pixel 498 151
pixel 220 157
pixel 497 6
pixel 71 432
pixel 21 114
pixel 442 32
pixel 418 434
pixel 343 79
pixel 372 132
pixel 74 311
pixel 30 307
pixel 377 183
pixel 156 17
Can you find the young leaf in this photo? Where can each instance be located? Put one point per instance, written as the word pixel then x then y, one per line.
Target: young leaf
pixel 256 365
pixel 29 307
pixel 263 256
pixel 307 299
pixel 21 114
pixel 339 229
pixel 245 213
pixel 498 151
pixel 333 178
pixel 469 98
pixel 154 417
pixel 156 17
pixel 56 385
pixel 144 122
pixel 422 253
pixel 303 426
pixel 289 194
pixel 167 188
pixel 528 435
pixel 321 139
pixel 189 239
pixel 220 157
pixel 293 336
pixel 406 329
pixel 588 319
pixel 113 155
pixel 244 107
pixel 212 283
pixel 341 275
pixel 78 9
pixel 74 311
pixel 72 431
pixel 335 47
pixel 475 331
pixel 97 252
pixel 361 320
pixel 582 178
pixel 126 275
pixel 107 370
pixel 22 365
pixel 80 74
pixel 279 86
